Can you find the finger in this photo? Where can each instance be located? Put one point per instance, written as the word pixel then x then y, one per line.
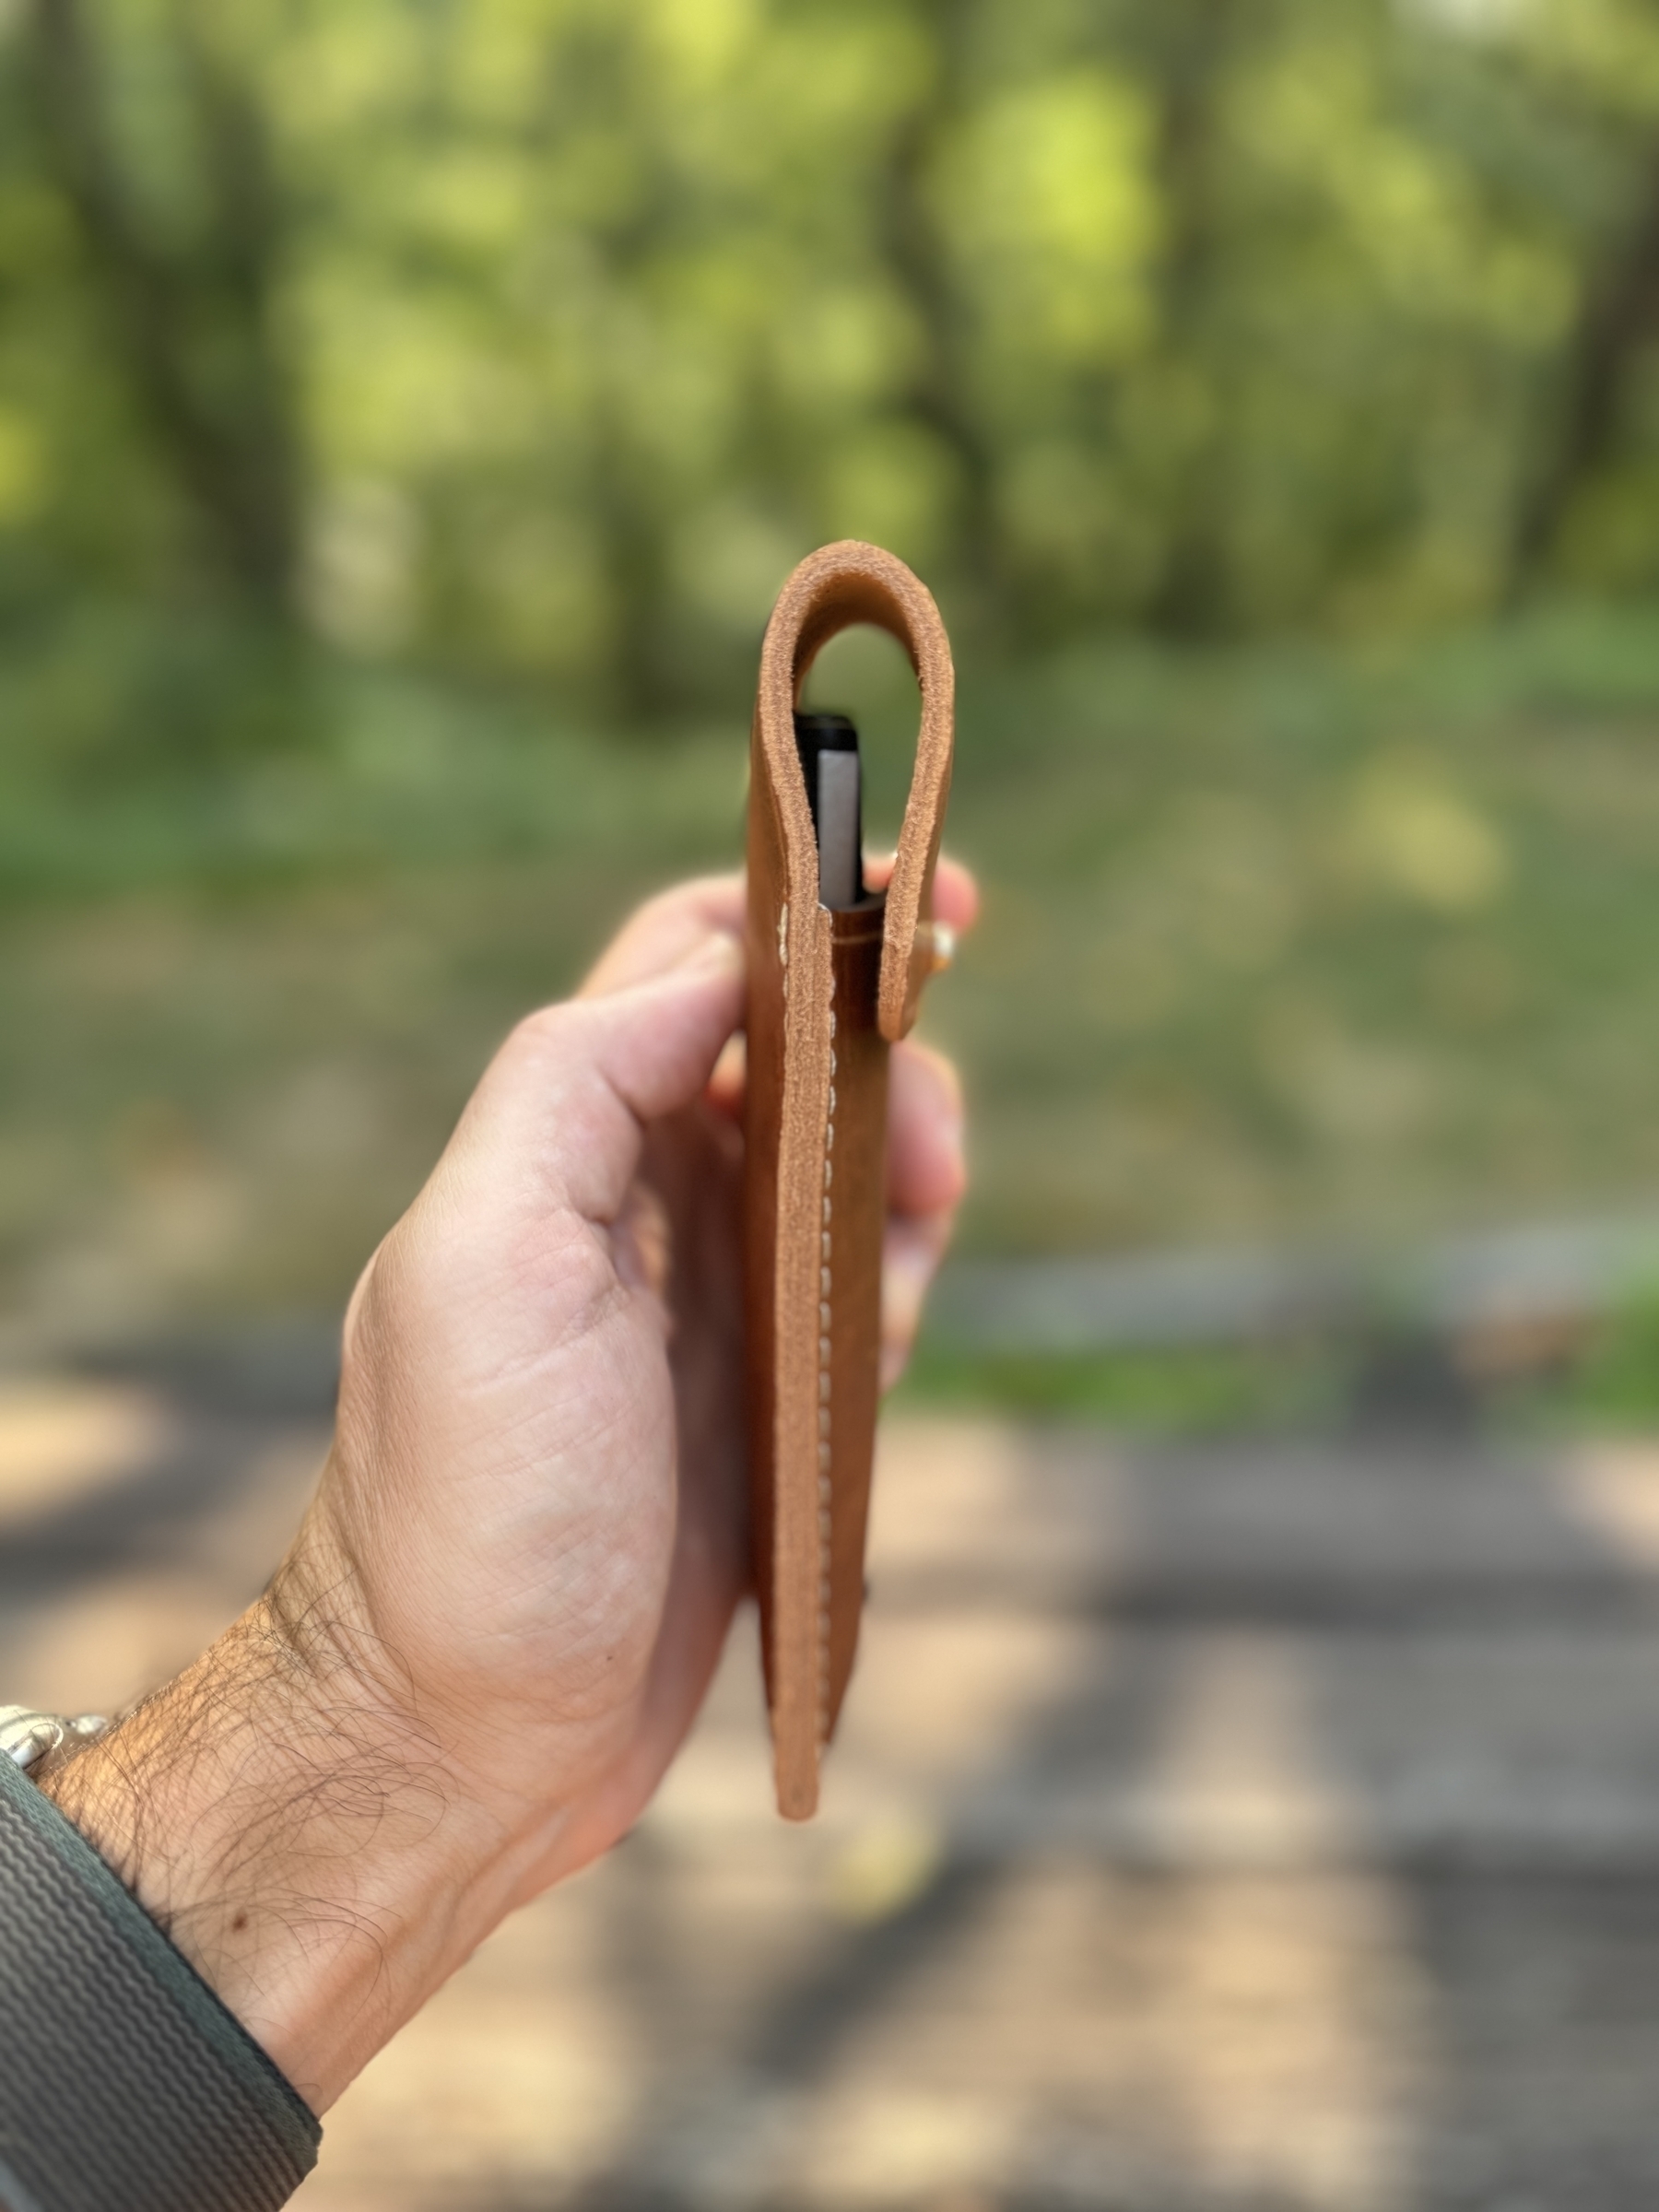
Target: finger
pixel 911 1250
pixel 704 1592
pixel 660 931
pixel 710 1574
pixel 664 929
pixel 731 1074
pixel 926 1165
pixel 567 1097
pixel 956 896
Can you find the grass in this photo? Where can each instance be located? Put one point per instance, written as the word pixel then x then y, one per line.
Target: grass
pixel 1600 1377
pixel 1614 1384
pixel 1277 943
pixel 1207 1391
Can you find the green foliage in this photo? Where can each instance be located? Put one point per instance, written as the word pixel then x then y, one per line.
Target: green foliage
pixel 1212 1390
pixel 409 410
pixel 1615 1383
pixel 287 766
pixel 1280 941
pixel 534 338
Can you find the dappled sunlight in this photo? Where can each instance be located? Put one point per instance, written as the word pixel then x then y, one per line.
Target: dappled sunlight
pixel 1612 1486
pixel 61 1441
pixel 1212 1825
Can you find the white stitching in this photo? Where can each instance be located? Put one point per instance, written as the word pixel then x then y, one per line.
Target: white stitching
pixel 826 1518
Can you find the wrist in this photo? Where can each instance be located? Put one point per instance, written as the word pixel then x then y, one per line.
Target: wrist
pixel 297 1837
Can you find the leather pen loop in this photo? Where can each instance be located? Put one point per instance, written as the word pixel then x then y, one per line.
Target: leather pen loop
pixel 832 590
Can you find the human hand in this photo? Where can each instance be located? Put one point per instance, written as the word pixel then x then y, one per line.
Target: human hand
pixel 509 1594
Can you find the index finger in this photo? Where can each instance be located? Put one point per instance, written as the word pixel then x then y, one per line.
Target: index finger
pixel 662 931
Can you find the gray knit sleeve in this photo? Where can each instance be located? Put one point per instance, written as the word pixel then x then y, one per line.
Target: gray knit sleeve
pixel 125 2084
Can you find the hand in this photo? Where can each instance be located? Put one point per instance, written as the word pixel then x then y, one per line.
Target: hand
pixel 503 1610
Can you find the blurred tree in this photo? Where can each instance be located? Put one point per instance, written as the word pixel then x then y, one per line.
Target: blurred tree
pixel 537 338
pixel 1191 43
pixel 1606 67
pixel 187 302
pixel 937 392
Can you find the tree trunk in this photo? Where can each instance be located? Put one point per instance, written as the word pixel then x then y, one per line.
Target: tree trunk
pixel 937 395
pixel 1190 599
pixel 1618 316
pixel 228 441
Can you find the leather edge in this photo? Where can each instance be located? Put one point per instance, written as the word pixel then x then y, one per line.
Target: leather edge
pixel 807 981
pixel 833 589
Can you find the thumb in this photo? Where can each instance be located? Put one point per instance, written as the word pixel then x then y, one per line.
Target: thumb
pixel 569 1094
pixel 656 1042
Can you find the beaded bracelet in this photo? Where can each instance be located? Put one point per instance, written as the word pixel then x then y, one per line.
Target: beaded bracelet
pixel 27 1736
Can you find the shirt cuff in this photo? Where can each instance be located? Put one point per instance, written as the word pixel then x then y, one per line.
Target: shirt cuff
pixel 125 2085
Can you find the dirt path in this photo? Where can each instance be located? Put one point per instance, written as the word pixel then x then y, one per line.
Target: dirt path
pixel 1236 1827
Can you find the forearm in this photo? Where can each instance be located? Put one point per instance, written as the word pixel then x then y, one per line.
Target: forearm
pixel 296 1836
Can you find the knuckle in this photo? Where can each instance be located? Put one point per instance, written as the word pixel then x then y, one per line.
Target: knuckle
pixel 548 1027
pixel 569 1270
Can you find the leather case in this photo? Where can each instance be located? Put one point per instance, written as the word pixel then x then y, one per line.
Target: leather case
pixel 829 992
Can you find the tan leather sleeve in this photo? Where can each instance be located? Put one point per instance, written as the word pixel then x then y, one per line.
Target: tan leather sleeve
pixel 828 993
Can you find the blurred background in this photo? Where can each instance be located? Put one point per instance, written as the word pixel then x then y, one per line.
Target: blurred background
pixel 408 412
pixel 407 415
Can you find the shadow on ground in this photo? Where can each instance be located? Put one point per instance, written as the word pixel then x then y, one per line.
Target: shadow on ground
pixel 1235 1826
